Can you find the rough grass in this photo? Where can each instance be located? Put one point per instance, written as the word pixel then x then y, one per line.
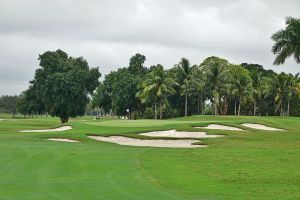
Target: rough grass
pixel 244 165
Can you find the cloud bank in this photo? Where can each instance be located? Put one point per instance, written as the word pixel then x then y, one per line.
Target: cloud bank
pixel 108 32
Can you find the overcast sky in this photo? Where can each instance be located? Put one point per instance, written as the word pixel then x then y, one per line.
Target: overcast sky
pixel 108 32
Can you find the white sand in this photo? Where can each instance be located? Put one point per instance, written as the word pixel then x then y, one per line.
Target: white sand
pixel 148 143
pixel 179 134
pixel 62 140
pixel 63 128
pixel 221 127
pixel 261 127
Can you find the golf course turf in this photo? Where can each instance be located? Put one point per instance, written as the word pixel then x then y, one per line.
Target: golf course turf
pixel 250 164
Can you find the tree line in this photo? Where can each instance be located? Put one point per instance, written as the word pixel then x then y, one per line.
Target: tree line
pixel 66 86
pixel 215 86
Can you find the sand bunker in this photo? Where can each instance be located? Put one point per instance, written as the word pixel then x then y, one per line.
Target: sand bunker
pixel 179 134
pixel 221 127
pixel 63 128
pixel 148 143
pixel 62 140
pixel 261 127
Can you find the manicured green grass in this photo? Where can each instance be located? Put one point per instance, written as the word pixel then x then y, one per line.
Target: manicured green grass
pixel 244 165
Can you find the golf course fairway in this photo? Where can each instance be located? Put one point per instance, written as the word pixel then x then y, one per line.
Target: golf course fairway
pixel 243 165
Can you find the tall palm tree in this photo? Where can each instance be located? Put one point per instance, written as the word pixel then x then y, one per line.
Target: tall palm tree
pixel 256 77
pixel 197 87
pixel 277 86
pixel 216 71
pixel 241 84
pixel 184 77
pixel 156 88
pixel 293 82
pixel 287 41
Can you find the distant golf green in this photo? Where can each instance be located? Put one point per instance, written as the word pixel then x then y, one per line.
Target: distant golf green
pixel 252 164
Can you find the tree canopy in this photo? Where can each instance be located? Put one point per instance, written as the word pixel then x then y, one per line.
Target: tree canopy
pixel 287 41
pixel 156 88
pixel 63 83
pixel 8 104
pixel 215 86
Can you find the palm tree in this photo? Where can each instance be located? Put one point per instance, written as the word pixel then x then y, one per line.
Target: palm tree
pixel 256 77
pixel 293 83
pixel 277 86
pixel 156 88
pixel 215 70
pixel 197 87
pixel 184 77
pixel 241 84
pixel 287 41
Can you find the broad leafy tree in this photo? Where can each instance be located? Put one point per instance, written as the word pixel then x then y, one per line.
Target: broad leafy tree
pixel 9 104
pixel 63 83
pixel 30 102
pixel 136 65
pixel 124 91
pixel 102 98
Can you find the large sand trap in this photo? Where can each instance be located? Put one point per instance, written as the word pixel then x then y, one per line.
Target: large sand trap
pixel 62 140
pixel 148 143
pixel 261 127
pixel 63 128
pixel 179 134
pixel 221 127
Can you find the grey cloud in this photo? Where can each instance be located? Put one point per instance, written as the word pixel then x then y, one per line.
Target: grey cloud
pixel 107 32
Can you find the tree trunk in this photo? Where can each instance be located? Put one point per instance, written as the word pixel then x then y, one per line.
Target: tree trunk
pixel 155 110
pixel 235 108
pixel 239 111
pixel 201 104
pixel 216 111
pixel 254 108
pixel 216 104
pixel 160 110
pixel 281 108
pixel 198 105
pixel 64 119
pixel 257 108
pixel 288 108
pixel 185 109
pixel 224 108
